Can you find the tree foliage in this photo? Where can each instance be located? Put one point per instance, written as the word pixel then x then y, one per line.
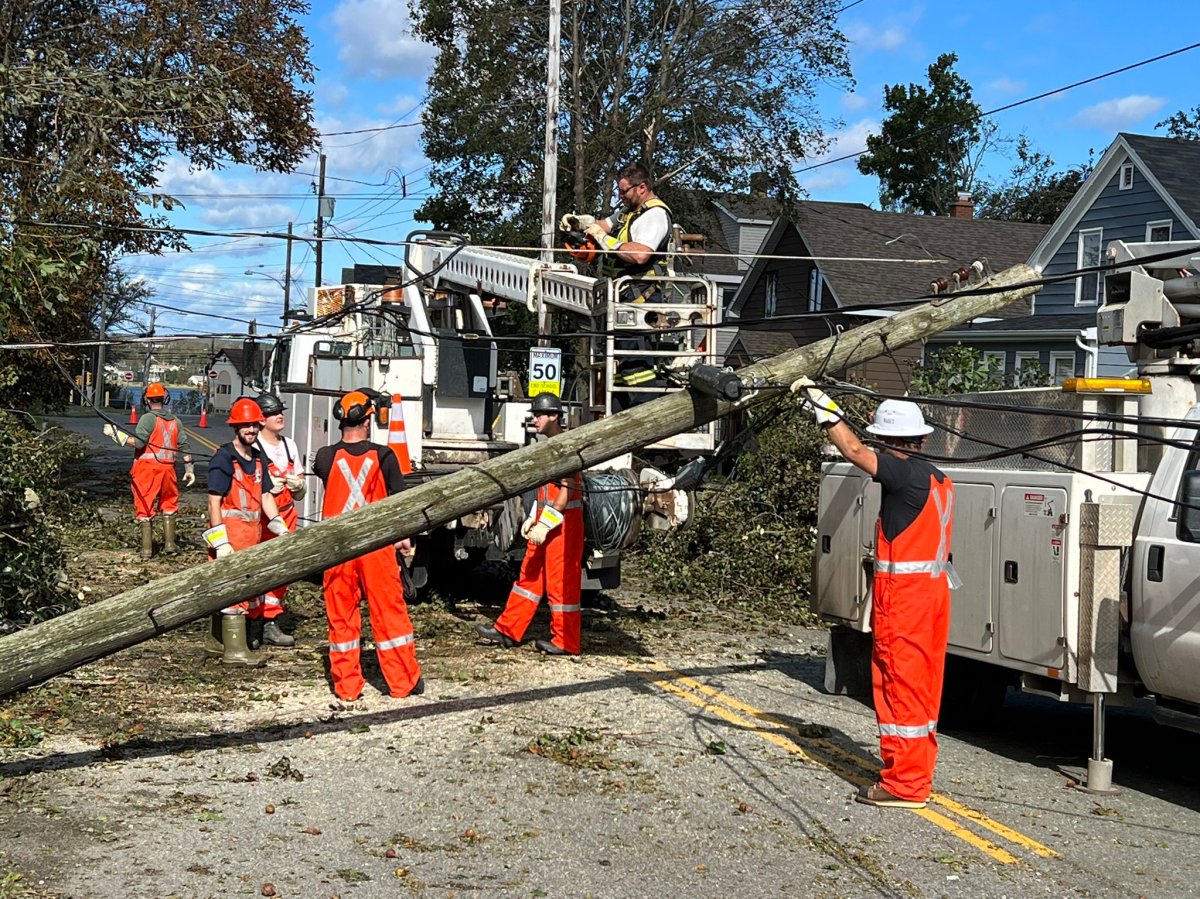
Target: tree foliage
pixel 1033 192
pixel 931 144
pixel 963 369
pixel 1184 124
pixel 96 98
pixel 716 88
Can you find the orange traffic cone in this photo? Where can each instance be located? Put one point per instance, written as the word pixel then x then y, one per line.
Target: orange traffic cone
pixel 204 416
pixel 397 439
pixel 133 413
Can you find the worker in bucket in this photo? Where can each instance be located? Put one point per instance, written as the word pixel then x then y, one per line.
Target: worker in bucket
pixel 159 438
pixel 355 473
pixel 910 610
pixel 239 501
pixel 633 243
pixel 553 560
pixel 287 486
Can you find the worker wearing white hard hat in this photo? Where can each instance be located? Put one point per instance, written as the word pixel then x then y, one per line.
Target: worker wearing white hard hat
pixel 910 612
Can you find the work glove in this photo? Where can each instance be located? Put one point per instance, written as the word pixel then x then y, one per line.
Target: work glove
pixel 277 527
pixel 825 411
pixel 116 435
pixel 547 521
pixel 218 541
pixel 573 221
pixel 604 241
pixel 189 474
pixel 277 485
pixel 295 485
pixel 529 522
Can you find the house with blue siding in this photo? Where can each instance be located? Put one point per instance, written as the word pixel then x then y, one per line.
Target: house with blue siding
pixel 1143 189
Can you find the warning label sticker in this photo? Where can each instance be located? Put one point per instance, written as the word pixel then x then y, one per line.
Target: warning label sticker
pixel 1056 549
pixel 1034 502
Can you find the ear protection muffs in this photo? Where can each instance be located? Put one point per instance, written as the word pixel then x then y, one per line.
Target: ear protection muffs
pixel 353 408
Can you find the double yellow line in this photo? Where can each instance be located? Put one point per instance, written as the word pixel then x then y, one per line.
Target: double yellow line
pixel 202 440
pixel 839 761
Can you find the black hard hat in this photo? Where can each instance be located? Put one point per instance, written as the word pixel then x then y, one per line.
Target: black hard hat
pixel 269 403
pixel 546 402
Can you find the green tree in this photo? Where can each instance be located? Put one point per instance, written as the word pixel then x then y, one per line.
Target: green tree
pixel 1033 192
pixel 717 88
pixel 96 97
pixel 954 369
pixel 1184 124
pixel 931 144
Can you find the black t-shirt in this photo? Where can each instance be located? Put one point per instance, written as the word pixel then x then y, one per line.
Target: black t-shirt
pixel 389 465
pixel 905 485
pixel 220 469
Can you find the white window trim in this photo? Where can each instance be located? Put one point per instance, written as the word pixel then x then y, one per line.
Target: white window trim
pixel 1169 224
pixel 1062 356
pixel 989 356
pixel 815 280
pixel 1080 235
pixel 1127 168
pixel 1019 358
pixel 771 295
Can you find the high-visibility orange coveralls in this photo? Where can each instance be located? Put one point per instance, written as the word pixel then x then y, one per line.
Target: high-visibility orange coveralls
pixel 281 464
pixel 552 569
pixel 910 619
pixel 355 474
pixel 152 478
pixel 241 508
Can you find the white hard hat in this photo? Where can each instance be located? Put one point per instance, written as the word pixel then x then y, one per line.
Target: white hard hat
pixel 899 418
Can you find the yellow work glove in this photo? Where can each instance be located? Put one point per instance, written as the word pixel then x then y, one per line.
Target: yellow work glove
pixel 604 241
pixel 547 521
pixel 573 221
pixel 825 411
pixel 189 474
pixel 115 434
pixel 277 527
pixel 218 541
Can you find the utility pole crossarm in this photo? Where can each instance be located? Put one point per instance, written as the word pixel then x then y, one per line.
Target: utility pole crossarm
pixel 81 636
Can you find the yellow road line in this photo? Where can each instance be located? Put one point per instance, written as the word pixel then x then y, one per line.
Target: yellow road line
pixel 828 748
pixel 203 440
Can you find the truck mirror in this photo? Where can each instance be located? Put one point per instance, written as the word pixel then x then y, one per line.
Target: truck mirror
pixel 1189 497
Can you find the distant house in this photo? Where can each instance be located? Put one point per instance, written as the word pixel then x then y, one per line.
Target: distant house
pixel 230 381
pixel 1143 189
pixel 829 267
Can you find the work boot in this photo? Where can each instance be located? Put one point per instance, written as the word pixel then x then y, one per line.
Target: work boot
pixel 254 632
pixel 491 635
pixel 233 638
pixel 417 690
pixel 551 649
pixel 169 545
pixel 213 646
pixel 147 531
pixel 273 635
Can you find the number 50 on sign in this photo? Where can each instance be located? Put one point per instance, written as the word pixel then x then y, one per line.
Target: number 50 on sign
pixel 545 370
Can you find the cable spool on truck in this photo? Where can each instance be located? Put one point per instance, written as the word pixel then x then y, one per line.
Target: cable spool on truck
pixel 429 340
pixel 1078 554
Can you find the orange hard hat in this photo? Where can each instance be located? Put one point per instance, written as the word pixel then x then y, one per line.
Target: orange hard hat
pixel 244 412
pixel 155 391
pixel 353 408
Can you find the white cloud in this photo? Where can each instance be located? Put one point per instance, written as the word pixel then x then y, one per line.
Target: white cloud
pixel 1004 87
pixel 855 102
pixel 851 139
pixel 870 37
pixel 1119 113
pixel 376 41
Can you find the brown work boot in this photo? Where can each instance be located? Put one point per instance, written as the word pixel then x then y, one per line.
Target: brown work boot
pixel 876 795
pixel 169 545
pixel 146 528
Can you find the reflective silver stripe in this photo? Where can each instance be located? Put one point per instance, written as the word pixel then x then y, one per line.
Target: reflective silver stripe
pixel 531 596
pixel 356 499
pixel 343 647
pixel 908 731
pixel 273 600
pixel 931 568
pixel 573 504
pixel 573 608
pixel 392 644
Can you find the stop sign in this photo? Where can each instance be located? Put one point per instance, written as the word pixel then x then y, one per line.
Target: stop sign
pixel 128 376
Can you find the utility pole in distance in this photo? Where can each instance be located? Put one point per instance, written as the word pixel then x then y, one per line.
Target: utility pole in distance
pixel 287 275
pixel 320 219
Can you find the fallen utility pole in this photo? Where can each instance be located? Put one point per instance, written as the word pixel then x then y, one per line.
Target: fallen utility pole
pixel 84 635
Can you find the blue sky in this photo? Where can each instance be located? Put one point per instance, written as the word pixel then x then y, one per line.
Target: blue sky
pixel 370 75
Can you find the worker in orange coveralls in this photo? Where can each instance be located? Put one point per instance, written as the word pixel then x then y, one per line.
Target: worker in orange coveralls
pixel 356 472
pixel 553 556
pixel 158 439
pixel 239 501
pixel 910 611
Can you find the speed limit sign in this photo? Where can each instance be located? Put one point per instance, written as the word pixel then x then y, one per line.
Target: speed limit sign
pixel 545 370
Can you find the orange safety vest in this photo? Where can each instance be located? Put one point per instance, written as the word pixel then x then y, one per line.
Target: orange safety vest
pixel 922 548
pixel 241 507
pixel 573 510
pixel 163 442
pixel 354 482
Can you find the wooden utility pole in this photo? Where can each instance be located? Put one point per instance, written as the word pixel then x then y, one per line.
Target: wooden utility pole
pixel 81 636
pixel 319 233
pixel 550 171
pixel 287 278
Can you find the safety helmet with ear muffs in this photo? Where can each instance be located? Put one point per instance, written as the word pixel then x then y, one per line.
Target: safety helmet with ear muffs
pixel 356 406
pixel 156 392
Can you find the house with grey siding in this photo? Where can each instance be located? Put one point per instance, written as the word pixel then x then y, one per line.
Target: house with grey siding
pixel 1143 189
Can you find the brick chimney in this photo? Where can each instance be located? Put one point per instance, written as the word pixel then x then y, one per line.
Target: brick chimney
pixel 962 208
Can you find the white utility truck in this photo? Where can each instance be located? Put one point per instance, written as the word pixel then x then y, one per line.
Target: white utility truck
pixel 429 340
pixel 1079 556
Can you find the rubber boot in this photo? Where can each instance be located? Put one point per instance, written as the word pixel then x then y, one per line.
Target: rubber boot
pixel 213 645
pixel 169 545
pixel 147 531
pixel 233 637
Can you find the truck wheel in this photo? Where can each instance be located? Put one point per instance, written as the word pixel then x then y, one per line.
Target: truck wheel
pixel 972 693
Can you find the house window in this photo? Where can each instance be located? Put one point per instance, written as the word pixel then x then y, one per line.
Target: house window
pixel 814 289
pixel 1126 176
pixel 224 389
pixel 1158 232
pixel 993 363
pixel 772 299
pixel 1025 367
pixel 1062 366
pixel 1087 287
